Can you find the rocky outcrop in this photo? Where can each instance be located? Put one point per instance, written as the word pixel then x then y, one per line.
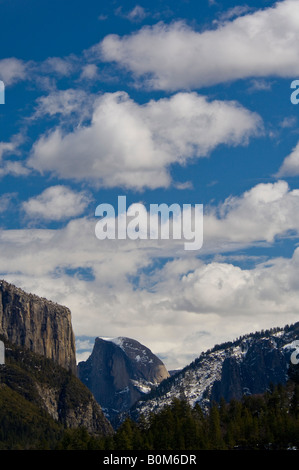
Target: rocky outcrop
pixel 40 325
pixel 119 372
pixel 52 389
pixel 261 364
pixel 81 410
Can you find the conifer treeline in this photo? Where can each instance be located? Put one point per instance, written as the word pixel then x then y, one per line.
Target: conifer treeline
pixel 266 421
pixel 269 421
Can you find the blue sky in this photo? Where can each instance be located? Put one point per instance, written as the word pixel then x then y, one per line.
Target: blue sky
pixel 163 102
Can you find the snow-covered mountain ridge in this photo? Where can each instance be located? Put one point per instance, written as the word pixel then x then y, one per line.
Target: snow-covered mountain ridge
pixel 245 366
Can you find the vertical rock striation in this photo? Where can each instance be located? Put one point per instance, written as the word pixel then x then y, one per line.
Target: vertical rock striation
pixel 37 324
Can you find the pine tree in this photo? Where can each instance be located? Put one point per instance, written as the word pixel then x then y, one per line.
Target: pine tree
pixel 295 402
pixel 215 434
pixel 123 439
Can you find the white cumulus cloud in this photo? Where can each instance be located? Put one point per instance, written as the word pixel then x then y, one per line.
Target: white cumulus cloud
pixel 132 145
pixel 56 203
pixel 262 213
pixel 290 165
pixel 174 56
pixel 12 70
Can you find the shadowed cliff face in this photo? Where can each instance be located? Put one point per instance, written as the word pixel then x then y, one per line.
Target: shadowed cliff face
pixel 45 390
pixel 263 364
pixel 119 372
pixel 42 326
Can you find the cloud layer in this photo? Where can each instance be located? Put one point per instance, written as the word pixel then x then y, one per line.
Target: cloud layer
pixel 174 56
pixel 115 287
pixel 132 145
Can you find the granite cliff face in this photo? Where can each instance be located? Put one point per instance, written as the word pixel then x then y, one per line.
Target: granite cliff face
pixel 119 372
pixel 40 325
